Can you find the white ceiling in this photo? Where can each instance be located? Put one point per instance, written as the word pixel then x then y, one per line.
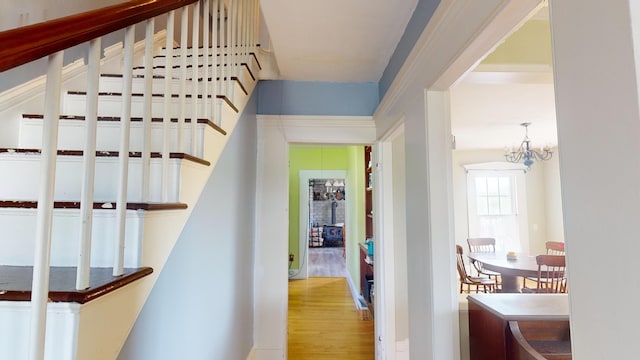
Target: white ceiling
pixel 335 40
pixel 352 41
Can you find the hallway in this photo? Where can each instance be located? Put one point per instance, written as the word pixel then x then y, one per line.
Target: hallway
pixel 323 322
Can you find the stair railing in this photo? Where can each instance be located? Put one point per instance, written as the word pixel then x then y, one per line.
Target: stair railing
pixel 50 39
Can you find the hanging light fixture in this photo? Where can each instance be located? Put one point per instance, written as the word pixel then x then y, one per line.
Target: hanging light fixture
pixel 526 153
pixel 329 185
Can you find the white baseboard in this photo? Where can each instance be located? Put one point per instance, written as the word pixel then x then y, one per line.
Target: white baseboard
pixel 355 294
pixel 252 354
pixel 402 349
pixel 268 354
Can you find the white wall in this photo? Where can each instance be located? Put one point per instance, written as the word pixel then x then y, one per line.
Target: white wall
pixel 596 61
pixel 543 198
pixel 202 304
pixel 553 210
pixel 14 14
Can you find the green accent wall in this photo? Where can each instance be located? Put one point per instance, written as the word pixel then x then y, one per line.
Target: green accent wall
pixel 329 157
pixel 531 44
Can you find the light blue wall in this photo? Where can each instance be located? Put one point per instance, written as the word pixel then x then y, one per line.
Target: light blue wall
pixel 334 99
pixel 201 307
pixel 278 97
pixel 421 16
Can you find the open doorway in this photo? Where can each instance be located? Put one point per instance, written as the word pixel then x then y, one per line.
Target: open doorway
pixel 323 222
pixel 326 239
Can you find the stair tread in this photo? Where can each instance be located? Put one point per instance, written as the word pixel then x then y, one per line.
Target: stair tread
pixel 223 97
pixel 98 205
pixel 15 283
pixel 132 154
pixel 159 95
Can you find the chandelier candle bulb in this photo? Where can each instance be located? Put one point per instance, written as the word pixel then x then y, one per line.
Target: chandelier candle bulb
pixel 526 153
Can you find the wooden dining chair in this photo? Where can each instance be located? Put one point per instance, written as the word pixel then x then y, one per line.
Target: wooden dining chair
pixel 551 275
pixel 488 285
pixel 553 248
pixel 483 245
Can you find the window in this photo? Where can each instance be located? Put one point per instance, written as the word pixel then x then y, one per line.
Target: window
pixel 497 204
pixel 493 195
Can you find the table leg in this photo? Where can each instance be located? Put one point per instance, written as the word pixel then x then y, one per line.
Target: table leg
pixel 510 284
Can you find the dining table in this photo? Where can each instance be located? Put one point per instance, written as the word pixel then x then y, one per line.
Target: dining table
pixel 510 269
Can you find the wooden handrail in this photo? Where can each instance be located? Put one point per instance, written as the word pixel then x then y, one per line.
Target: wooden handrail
pixel 29 43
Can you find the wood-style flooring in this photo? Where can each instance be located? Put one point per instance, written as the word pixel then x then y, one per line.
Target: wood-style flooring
pixel 327 261
pixel 323 323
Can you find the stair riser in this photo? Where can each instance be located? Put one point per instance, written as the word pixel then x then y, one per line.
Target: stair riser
pixel 177 52
pixel 176 61
pixel 18 224
pixel 61 333
pixel 114 85
pixel 71 135
pixel 112 106
pixel 20 176
pixel 190 73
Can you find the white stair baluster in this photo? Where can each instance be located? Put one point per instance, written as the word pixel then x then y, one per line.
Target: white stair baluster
pixel 205 57
pixel 214 60
pixel 166 121
pixel 89 157
pixel 42 256
pixel 231 48
pixel 184 26
pixel 146 117
pixel 123 164
pixel 195 34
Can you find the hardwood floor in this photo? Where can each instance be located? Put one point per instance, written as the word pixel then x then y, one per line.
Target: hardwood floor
pixel 327 261
pixel 324 324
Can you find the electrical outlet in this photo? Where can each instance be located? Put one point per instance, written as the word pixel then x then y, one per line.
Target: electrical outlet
pixel 290 257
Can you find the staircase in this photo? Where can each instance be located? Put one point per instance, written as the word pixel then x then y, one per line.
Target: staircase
pixel 171 155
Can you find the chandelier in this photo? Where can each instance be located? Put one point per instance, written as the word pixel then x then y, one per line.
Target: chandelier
pixel 526 153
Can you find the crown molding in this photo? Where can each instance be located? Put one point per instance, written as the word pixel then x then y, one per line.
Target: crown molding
pixel 323 129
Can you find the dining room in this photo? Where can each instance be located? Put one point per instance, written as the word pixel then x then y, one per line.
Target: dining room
pixel 499 110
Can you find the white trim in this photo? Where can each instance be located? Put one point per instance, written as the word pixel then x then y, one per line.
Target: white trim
pixel 274 137
pixel 35 87
pixel 303 236
pixel 355 294
pixel 495 165
pixel 252 354
pixel 324 129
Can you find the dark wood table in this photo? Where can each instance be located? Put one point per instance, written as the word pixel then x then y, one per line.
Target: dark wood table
pixel 489 316
pixel 524 265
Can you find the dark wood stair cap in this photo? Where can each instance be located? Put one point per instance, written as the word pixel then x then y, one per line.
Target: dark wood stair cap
pixel 15 283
